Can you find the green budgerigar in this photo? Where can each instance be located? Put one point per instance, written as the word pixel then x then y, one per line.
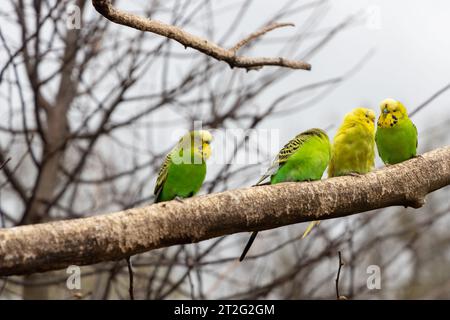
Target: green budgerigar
pixel 304 158
pixel 353 147
pixel 184 169
pixel 182 173
pixel 396 135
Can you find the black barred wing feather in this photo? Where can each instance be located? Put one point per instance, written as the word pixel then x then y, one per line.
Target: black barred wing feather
pixel 289 149
pixel 162 175
pixel 417 137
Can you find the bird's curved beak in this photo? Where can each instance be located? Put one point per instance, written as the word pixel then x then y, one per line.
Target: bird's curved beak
pixel 385 111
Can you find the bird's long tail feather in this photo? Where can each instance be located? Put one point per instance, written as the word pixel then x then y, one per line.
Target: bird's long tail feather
pixel 249 244
pixel 310 227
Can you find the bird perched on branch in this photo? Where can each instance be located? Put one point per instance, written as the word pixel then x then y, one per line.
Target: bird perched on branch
pixel 304 158
pixel 182 173
pixel 396 135
pixel 184 168
pixel 353 148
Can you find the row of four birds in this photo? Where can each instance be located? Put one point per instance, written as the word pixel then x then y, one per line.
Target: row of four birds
pixel 305 157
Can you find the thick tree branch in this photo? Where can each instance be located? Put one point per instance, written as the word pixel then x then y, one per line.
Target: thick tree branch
pixel 105 8
pixel 56 245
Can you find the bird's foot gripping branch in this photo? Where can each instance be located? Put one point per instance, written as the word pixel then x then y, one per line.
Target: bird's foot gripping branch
pixel 50 246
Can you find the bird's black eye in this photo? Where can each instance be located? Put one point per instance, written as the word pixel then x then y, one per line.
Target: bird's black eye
pixel 386 105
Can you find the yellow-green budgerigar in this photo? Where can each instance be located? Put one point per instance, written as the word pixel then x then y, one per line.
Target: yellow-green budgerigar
pixel 353 150
pixel 184 168
pixel 304 158
pixel 396 135
pixel 182 173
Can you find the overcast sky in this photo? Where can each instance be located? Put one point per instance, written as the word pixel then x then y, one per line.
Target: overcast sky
pixel 410 61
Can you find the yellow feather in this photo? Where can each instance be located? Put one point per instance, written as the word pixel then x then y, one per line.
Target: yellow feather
pixel 391 111
pixel 197 141
pixel 353 148
pixel 354 144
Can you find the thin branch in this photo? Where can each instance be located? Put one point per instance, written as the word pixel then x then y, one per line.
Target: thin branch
pixel 131 278
pixel 12 178
pixel 338 296
pixel 259 33
pixel 105 8
pixel 55 245
pixel 430 99
pixel 4 163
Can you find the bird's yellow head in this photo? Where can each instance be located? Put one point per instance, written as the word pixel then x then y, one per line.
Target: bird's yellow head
pixel 200 141
pixel 391 112
pixel 363 116
pixel 197 144
pixel 205 146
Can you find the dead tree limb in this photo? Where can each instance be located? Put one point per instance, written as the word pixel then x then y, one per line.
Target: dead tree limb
pixel 105 8
pixel 55 245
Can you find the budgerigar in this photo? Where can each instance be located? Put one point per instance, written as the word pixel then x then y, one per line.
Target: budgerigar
pixel 184 168
pixel 304 158
pixel 396 135
pixel 353 147
pixel 182 173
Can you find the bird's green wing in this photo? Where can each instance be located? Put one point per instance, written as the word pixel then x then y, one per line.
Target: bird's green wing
pixel 289 149
pixel 162 175
pixel 417 137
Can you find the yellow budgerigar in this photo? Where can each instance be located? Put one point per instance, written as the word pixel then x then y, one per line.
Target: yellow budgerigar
pixel 353 150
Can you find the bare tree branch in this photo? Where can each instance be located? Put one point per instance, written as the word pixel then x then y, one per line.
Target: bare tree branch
pixel 259 33
pixel 2 164
pixel 430 99
pixel 55 245
pixel 338 296
pixel 105 8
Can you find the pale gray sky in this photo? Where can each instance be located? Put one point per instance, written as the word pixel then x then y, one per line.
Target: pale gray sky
pixel 410 61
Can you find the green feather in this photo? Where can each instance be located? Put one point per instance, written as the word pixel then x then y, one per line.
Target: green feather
pixel 397 143
pixel 184 177
pixel 304 158
pixel 182 180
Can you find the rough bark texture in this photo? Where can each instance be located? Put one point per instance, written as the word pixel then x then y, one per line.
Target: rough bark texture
pixel 49 246
pixel 105 8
